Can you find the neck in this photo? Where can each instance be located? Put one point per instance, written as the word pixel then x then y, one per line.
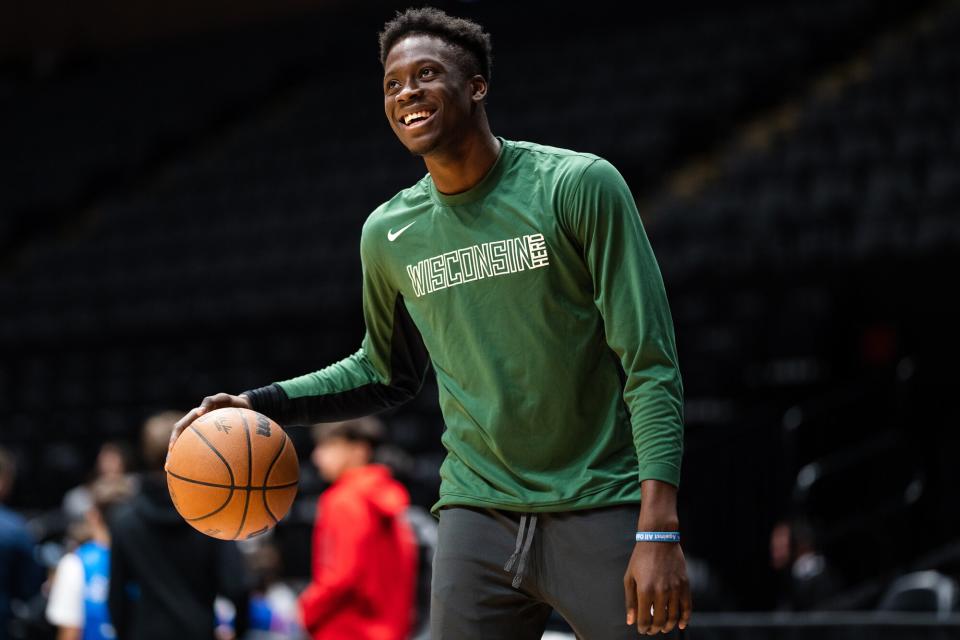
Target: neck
pixel 101 537
pixel 459 169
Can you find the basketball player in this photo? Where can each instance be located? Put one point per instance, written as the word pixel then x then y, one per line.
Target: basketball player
pixel 522 273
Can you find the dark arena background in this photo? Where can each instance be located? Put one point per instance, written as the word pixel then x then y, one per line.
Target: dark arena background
pixel 183 184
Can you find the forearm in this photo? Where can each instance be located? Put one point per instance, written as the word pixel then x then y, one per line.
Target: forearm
pixel 658 507
pixel 348 389
pixel 273 401
pixel 387 371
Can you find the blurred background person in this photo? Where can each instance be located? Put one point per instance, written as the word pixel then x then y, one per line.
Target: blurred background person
pixel 77 605
pixel 274 611
pixel 20 574
pixel 113 461
pixel 364 552
pixel 806 579
pixel 164 574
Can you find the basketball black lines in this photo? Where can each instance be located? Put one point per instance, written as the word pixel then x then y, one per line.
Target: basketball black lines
pixel 238 487
pixel 229 471
pixel 246 497
pixel 233 485
pixel 266 477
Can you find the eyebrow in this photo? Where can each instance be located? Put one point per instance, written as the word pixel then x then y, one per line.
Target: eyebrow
pixel 417 62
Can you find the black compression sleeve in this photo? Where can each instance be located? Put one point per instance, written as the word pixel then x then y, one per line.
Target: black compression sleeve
pixel 409 360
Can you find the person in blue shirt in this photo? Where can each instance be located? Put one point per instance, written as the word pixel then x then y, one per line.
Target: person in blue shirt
pixel 20 575
pixel 81 584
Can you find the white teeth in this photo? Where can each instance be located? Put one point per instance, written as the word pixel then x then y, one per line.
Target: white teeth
pixel 416 114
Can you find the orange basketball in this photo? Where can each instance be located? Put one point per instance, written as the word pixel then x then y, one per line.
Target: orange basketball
pixel 232 474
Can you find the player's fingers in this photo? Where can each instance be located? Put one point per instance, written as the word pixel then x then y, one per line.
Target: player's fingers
pixel 178 428
pixel 659 612
pixel 182 424
pixel 219 401
pixel 673 610
pixel 630 596
pixel 644 617
pixel 213 402
pixel 686 606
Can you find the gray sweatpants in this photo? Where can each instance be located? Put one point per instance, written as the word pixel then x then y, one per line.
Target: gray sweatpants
pixel 498 574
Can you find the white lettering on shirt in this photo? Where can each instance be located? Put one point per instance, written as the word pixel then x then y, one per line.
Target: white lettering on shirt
pixel 476 262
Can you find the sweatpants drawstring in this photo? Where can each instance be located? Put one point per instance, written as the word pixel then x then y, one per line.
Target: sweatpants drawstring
pixel 522 550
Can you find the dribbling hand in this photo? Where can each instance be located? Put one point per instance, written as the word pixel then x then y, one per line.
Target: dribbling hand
pixel 217 401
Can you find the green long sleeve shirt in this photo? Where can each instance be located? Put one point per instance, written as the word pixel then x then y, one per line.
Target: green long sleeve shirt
pixel 537 299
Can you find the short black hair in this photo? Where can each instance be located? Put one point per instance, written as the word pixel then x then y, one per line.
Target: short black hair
pixel 465 34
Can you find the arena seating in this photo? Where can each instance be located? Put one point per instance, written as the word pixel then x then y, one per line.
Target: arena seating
pixel 809 276
pixel 76 127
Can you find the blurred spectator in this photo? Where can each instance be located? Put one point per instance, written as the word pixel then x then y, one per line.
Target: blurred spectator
pixel 20 575
pixel 113 461
pixel 364 552
pixel 806 578
pixel 78 596
pixel 273 605
pixel 425 530
pixel 164 574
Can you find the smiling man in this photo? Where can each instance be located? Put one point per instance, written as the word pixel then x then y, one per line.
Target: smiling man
pixel 523 275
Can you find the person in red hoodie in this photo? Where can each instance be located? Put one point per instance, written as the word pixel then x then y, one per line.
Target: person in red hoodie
pixel 364 552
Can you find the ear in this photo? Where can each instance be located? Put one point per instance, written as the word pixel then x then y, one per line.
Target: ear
pixel 478 88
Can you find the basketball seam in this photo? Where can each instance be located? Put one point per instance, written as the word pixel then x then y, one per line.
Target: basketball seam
pixel 246 499
pixel 233 481
pixel 217 485
pixel 215 511
pixel 266 477
pixel 231 486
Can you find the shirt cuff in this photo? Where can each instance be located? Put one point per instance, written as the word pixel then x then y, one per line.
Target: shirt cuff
pixel 663 471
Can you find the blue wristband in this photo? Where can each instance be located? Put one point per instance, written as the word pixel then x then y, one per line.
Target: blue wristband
pixel 658 536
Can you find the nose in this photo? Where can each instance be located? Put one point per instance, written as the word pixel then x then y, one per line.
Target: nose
pixel 408 92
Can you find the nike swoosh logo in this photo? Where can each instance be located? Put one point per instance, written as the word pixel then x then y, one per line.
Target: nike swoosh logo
pixel 391 235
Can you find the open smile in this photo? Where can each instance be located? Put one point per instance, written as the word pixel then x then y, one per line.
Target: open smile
pixel 417 118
